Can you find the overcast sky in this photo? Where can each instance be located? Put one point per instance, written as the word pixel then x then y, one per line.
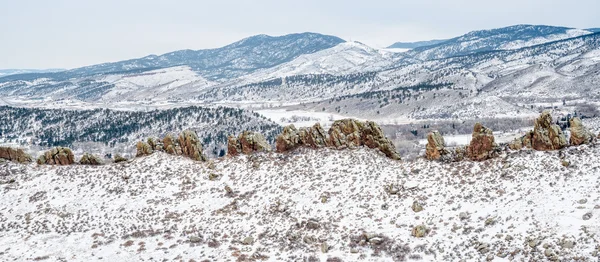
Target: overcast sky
pixel 74 33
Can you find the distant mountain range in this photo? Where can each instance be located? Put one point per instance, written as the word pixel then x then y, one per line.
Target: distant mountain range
pixel 5 72
pixel 412 45
pixel 327 73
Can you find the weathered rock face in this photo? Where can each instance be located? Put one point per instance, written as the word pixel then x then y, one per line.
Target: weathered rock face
pixel 345 133
pixel 186 144
pixel 89 159
pixel 545 136
pixel 435 148
pixel 247 142
pixel 57 156
pixel 292 138
pixel 191 146
pixel 483 145
pixel 16 155
pixel 579 134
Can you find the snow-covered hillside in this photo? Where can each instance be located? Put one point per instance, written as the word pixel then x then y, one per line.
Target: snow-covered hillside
pixel 507 38
pixel 309 205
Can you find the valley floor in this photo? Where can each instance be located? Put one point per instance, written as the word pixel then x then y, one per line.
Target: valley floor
pixel 326 205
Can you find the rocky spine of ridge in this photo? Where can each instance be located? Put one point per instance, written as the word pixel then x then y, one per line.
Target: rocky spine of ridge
pixel 545 136
pixel 436 147
pixel 344 133
pixel 187 144
pixel 579 134
pixel 483 145
pixel 15 155
pixel 57 156
pixel 247 142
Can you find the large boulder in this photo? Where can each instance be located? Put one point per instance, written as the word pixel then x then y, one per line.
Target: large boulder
pixel 16 155
pixel 435 148
pixel 482 144
pixel 349 133
pixel 247 142
pixel 191 146
pixel 546 135
pixel 57 156
pixel 579 134
pixel 89 159
pixel 292 138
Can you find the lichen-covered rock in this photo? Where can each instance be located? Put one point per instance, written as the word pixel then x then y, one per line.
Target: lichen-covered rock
pixel 435 148
pixel 579 134
pixel 348 133
pixel 191 146
pixel 89 159
pixel 546 135
pixel 143 149
pixel 483 145
pixel 292 138
pixel 57 156
pixel 247 142
pixel 345 133
pixel 15 155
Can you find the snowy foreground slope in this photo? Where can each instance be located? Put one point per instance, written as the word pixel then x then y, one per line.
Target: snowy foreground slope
pixel 284 207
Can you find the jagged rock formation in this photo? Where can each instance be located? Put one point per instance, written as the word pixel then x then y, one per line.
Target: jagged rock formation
pixel 57 156
pixel 545 136
pixel 187 144
pixel 579 134
pixel 435 148
pixel 344 133
pixel 89 159
pixel 16 155
pixel 292 138
pixel 483 145
pixel 247 142
pixel 191 146
pixel 352 133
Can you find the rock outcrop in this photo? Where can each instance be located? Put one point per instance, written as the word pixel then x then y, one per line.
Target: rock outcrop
pixel 187 144
pixel 118 158
pixel 191 146
pixel 545 136
pixel 57 156
pixel 435 148
pixel 143 149
pixel 15 155
pixel 579 134
pixel 292 138
pixel 247 142
pixel 344 133
pixel 89 159
pixel 483 145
